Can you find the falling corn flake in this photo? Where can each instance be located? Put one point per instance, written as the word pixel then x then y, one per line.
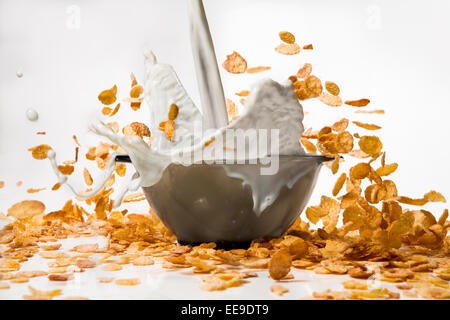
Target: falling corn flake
pixel 168 127
pixel 305 71
pixel 40 152
pixel 335 165
pixel 243 93
pixel 434 196
pixel 2 184
pixel 108 97
pixel 367 126
pixel 309 146
pixel 66 169
pixel 330 100
pixel 209 142
pixel 340 126
pixel 308 47
pixel 31 190
pixel 136 129
pixel 121 169
pixel 258 69
pixel 173 112
pixel 288 49
pixel 41 133
pixel 136 91
pixel 332 88
pixel 235 63
pixel 87 177
pixel 106 111
pixel 387 169
pixel 370 145
pixel 287 37
pixel 379 111
pixel 358 103
pixel 339 184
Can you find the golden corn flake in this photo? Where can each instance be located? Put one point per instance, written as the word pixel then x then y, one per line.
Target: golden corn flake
pixel 332 88
pixel 305 71
pixel 371 111
pixel 8 265
pixel 278 290
pixel 243 93
pixel 40 152
pixel 32 190
pixel 106 111
pixel 128 282
pixel 121 169
pixel 108 97
pixel 143 261
pixel 258 69
pixel 26 209
pixel 91 155
pixel 168 127
pixel 136 91
pixel 344 142
pixel 339 184
pixel 112 267
pixel 287 37
pixel 434 196
pixel 340 126
pixel 60 277
pixel 358 154
pixel 41 295
pixel 335 165
pixel 367 126
pixel 330 100
pixel 288 49
pixel 66 170
pixel 105 280
pixel 280 265
pixel 133 80
pixel 293 79
pixel 387 169
pixel 301 91
pixel 235 63
pixel 309 146
pixel 4 285
pixel 360 171
pixel 87 177
pixel 358 103
pixel 173 111
pixel 136 129
pixel 314 86
pixel 315 213
pixel 308 47
pixel 116 109
pixel 370 145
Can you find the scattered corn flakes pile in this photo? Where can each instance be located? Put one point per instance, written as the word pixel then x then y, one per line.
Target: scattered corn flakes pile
pixel 379 240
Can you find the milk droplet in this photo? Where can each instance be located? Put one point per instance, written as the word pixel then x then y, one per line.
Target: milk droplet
pixel 19 73
pixel 32 115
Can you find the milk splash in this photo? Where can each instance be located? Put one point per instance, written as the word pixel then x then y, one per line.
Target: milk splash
pixel 270 126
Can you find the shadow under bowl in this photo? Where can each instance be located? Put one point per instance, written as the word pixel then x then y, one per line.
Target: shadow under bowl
pixel 203 203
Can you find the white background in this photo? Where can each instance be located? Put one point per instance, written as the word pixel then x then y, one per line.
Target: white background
pixel 392 52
